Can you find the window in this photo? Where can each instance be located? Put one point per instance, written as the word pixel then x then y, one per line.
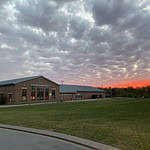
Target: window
pixel 24 94
pixel 33 96
pixel 40 81
pixel 46 93
pixel 53 93
pixel 10 97
pixel 78 96
pixel 40 93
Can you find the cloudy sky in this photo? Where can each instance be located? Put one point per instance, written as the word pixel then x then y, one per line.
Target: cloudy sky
pixel 89 42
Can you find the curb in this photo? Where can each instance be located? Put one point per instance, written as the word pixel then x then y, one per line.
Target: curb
pixel 68 138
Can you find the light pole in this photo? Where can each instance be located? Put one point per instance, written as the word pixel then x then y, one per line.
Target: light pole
pixel 62 82
pixel 62 99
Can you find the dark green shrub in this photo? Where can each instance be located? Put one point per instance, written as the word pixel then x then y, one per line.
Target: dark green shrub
pixel 3 100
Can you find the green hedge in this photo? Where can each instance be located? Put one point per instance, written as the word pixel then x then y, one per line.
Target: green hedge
pixel 3 100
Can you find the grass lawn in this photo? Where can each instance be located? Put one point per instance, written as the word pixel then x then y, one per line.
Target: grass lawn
pixel 123 123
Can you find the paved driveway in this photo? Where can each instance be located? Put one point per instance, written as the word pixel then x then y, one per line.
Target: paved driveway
pixel 16 140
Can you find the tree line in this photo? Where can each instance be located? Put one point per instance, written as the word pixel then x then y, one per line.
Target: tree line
pixel 143 92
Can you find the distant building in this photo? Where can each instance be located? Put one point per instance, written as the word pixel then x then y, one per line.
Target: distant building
pixel 29 90
pixel 73 92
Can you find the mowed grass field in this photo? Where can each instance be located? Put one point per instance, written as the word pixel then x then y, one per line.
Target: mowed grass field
pixel 123 123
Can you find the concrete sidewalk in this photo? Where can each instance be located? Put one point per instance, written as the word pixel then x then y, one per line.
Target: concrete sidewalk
pixel 82 144
pixel 73 101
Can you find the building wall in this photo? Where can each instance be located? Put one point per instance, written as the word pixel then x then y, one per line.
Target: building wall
pixel 91 95
pixel 5 91
pixel 38 82
pixel 67 96
pixel 81 95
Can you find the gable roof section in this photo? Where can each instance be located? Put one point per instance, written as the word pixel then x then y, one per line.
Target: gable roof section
pixel 15 81
pixel 78 88
pixel 49 80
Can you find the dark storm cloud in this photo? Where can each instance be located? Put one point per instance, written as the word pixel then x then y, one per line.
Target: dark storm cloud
pixel 2 2
pixel 78 27
pixel 112 11
pixel 99 35
pixel 78 41
pixel 42 14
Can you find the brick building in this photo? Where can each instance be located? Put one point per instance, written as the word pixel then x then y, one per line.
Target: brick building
pixel 73 92
pixel 29 90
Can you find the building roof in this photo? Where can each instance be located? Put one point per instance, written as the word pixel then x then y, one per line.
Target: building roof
pixel 15 81
pixel 78 88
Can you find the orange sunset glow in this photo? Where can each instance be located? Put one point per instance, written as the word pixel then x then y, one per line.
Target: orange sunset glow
pixel 134 84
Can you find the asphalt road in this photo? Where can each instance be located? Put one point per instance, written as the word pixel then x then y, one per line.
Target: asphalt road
pixel 16 140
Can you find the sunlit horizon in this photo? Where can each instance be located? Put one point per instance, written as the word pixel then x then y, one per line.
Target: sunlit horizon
pixel 133 84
